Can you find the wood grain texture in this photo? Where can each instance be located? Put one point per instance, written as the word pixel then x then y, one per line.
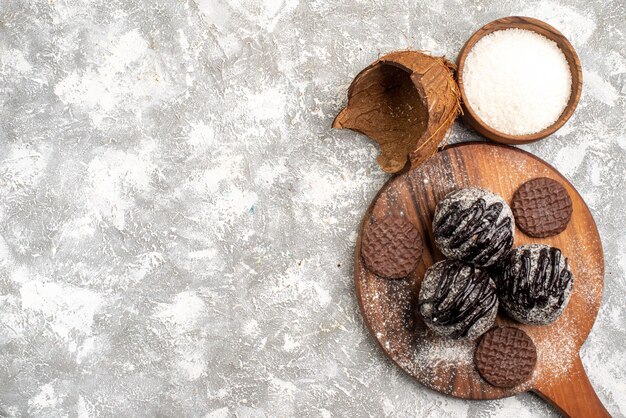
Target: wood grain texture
pixel 389 306
pixel 542 28
pixel 573 394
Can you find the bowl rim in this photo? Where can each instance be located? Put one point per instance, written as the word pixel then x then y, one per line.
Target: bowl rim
pixel 542 28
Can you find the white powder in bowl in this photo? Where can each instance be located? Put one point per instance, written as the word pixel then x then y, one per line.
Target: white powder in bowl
pixel 517 81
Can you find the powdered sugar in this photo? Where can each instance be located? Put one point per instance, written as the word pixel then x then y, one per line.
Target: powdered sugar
pixel 517 81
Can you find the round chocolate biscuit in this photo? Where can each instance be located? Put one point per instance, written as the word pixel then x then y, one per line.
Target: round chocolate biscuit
pixel 542 207
pixel 534 284
pixel 391 247
pixel 505 357
pixel 473 225
pixel 457 299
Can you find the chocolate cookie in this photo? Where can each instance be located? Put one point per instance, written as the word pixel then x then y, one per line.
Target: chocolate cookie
pixel 457 299
pixel 542 207
pixel 505 357
pixel 391 247
pixel 473 225
pixel 534 284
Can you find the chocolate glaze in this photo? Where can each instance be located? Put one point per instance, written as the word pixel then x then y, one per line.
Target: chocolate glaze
pixel 477 225
pixel 470 303
pixel 530 291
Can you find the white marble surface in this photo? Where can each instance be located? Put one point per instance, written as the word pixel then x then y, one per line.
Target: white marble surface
pixel 177 218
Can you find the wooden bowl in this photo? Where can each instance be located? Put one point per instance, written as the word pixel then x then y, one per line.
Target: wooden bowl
pixel 542 28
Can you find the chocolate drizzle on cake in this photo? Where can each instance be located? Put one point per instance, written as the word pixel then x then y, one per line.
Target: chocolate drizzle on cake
pixel 460 298
pixel 535 283
pixel 476 222
pixel 534 290
pixel 475 226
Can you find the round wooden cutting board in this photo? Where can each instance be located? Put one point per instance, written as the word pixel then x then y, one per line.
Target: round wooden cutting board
pixel 446 365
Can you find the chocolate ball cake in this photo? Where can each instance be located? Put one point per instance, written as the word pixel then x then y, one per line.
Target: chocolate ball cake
pixel 534 284
pixel 457 299
pixel 473 225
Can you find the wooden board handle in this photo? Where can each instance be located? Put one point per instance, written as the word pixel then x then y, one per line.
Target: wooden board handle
pixel 573 395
